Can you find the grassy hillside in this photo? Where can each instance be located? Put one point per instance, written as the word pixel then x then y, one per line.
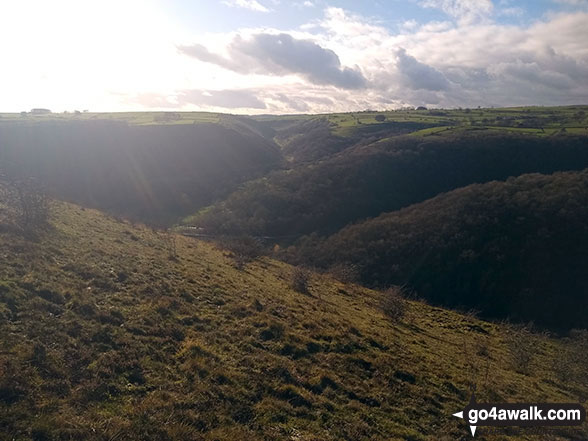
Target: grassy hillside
pixel 367 180
pixel 155 173
pixel 110 331
pixel 515 249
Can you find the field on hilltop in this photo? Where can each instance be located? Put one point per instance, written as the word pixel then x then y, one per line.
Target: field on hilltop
pixel 132 118
pixel 115 331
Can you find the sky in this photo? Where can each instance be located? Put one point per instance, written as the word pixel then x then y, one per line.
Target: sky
pixel 300 56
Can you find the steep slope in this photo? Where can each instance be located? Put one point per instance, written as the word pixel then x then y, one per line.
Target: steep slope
pixel 516 249
pixel 115 332
pixel 155 173
pixel 367 180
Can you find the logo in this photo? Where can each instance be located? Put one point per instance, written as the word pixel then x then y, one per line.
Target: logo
pixel 521 414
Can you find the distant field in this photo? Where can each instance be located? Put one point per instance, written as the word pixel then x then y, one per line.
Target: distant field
pixel 540 121
pixel 530 120
pixel 133 118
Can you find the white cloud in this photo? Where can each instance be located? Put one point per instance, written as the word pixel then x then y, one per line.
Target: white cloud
pixel 436 64
pixel 252 5
pixel 339 62
pixel 281 54
pixel 226 99
pixel 465 11
pixel 511 12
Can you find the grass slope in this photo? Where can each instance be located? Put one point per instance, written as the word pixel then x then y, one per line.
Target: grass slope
pixel 103 336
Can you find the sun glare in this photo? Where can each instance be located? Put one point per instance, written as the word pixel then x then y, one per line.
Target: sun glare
pixel 86 53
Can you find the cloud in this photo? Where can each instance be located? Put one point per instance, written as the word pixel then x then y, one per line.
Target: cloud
pixel 418 75
pixel 409 25
pixel 282 54
pixel 252 5
pixel 154 100
pixel 465 11
pixel 228 99
pixel 466 65
pixel 444 64
pixel 531 73
pixel 201 53
pixel 296 104
pixel 511 12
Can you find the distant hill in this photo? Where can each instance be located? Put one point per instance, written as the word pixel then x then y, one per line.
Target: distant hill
pixel 115 332
pixel 369 179
pixel 153 173
pixel 516 249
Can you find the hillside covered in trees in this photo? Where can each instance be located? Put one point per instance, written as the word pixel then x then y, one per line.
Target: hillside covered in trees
pixel 367 180
pixel 516 249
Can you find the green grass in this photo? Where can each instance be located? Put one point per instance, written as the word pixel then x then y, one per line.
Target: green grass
pixel 106 335
pixel 133 118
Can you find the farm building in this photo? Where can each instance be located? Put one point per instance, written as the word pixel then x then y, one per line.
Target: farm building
pixel 40 111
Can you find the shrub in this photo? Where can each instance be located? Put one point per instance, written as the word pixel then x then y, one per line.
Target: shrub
pixel 345 272
pixel 170 244
pixel 244 248
pixel 394 304
pixel 274 331
pixel 300 279
pixel 522 347
pixel 482 348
